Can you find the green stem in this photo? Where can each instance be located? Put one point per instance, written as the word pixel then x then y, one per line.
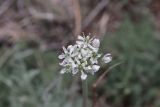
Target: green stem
pixel 85 92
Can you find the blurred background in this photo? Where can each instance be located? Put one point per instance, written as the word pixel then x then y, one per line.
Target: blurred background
pixel 32 33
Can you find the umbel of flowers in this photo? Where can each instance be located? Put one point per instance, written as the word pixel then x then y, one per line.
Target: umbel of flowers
pixel 83 57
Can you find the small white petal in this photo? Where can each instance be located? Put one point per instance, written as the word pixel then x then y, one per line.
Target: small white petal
pixel 80 37
pixel 95 68
pixel 83 75
pixel 93 48
pixel 65 50
pixel 96 43
pixel 88 68
pixel 61 56
pixel 63 63
pixel 70 60
pixel 79 43
pixel 107 58
pixel 70 48
pixel 83 65
pixel 85 62
pixel 73 64
pixel 94 60
pixel 84 52
pixel 87 37
pixel 62 71
pixel 79 56
pixel 99 55
pixel 85 45
pixel 74 71
pixel 77 60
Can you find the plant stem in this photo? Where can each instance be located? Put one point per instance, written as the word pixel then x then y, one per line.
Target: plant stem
pixel 85 92
pixel 97 83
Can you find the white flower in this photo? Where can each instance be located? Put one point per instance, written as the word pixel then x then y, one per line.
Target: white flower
pixel 93 48
pixel 83 75
pixel 74 70
pixel 63 71
pixel 61 56
pixel 96 43
pixel 94 58
pixel 88 68
pixel 67 52
pixel 107 58
pixel 84 52
pixel 82 57
pixel 81 38
pixel 95 68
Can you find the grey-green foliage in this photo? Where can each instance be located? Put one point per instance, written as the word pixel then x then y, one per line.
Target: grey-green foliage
pixel 136 82
pixel 26 76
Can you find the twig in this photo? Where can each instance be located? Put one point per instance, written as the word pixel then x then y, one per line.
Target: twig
pixel 103 23
pixel 77 13
pixel 4 7
pixel 45 15
pixel 94 13
pixel 99 80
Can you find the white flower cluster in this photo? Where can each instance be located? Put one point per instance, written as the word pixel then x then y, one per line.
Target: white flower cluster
pixel 82 57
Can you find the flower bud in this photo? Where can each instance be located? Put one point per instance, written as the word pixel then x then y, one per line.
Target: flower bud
pixel 83 75
pixel 95 68
pixel 96 43
pixel 107 58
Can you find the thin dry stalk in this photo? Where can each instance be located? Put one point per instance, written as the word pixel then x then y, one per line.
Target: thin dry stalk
pixel 97 83
pixel 77 14
pixel 94 13
pixel 85 93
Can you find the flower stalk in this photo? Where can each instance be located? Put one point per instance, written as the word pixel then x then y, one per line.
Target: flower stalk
pixel 85 93
pixel 98 81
